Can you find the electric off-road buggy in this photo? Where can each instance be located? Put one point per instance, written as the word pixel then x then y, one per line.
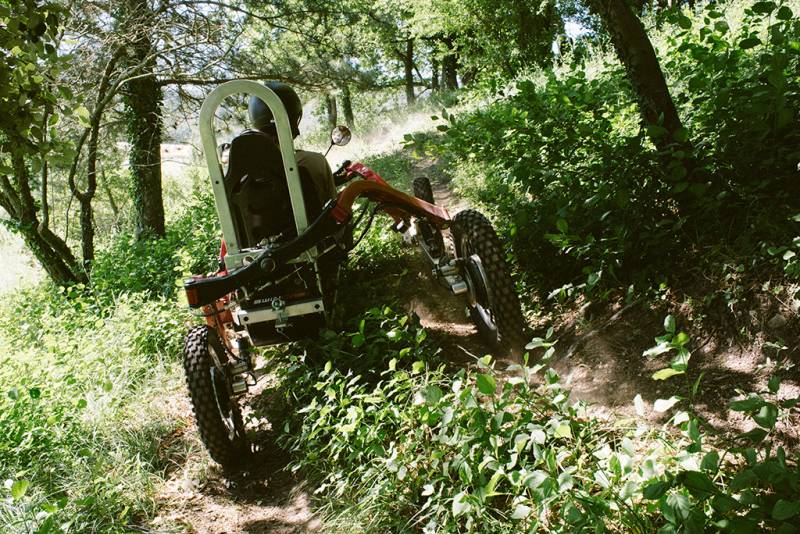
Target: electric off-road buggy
pixel 280 259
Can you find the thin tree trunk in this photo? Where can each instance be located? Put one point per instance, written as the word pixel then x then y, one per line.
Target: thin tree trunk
pixel 347 106
pixel 332 112
pixel 636 53
pixel 143 105
pixel 111 201
pixel 434 74
pixel 51 252
pixel 450 67
pixel 408 67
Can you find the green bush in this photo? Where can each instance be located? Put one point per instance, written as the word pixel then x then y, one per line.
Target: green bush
pixel 156 266
pixel 78 431
pixel 589 203
pixel 396 441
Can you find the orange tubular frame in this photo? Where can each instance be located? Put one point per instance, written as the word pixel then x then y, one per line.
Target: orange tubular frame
pixel 397 204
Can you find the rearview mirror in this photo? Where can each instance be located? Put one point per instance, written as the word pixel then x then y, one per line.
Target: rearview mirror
pixel 341 135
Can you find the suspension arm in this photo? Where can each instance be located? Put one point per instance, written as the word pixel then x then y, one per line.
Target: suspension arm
pixel 396 203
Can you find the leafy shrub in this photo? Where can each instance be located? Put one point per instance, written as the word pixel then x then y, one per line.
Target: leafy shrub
pixel 396 441
pixel 78 433
pixel 588 202
pixel 155 266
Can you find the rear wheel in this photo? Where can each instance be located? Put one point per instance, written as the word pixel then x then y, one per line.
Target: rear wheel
pixel 432 237
pixel 219 419
pixel 493 302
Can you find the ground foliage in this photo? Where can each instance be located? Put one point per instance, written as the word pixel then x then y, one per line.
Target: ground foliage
pixel 396 439
pixel 393 436
pixel 83 370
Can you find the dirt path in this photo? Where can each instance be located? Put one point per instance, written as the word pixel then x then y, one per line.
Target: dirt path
pixel 198 498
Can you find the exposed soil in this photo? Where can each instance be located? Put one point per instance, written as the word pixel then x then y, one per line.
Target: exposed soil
pixel 598 354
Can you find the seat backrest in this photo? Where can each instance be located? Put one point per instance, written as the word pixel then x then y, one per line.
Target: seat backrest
pixel 255 185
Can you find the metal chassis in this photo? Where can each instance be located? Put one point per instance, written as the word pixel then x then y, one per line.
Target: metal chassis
pixel 223 312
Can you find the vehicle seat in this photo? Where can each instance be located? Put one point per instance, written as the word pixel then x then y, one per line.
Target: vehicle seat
pixel 257 192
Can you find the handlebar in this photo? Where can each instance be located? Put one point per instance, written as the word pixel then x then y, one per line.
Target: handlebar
pixel 202 291
pixel 340 177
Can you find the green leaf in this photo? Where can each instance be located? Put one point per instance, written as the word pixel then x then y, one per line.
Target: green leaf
pixel 535 479
pixel 655 490
pixel 663 374
pixel 562 226
pixel 82 114
pixel 783 510
pixel 661 348
pixel 749 404
pixel 763 7
pixel 521 512
pixel 784 13
pixel 432 394
pixel 19 488
pixel 774 383
pixel 662 405
pixel 684 21
pixel 669 324
pixel 358 340
pixel 681 339
pixel 460 503
pixel 655 131
pixel 698 484
pixel 750 42
pixel 563 430
pixel 537 342
pixel 677 507
pixel 710 462
pixel 486 384
pixel 681 135
pixel 767 416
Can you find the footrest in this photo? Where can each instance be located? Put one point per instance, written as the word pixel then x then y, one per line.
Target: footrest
pixel 245 317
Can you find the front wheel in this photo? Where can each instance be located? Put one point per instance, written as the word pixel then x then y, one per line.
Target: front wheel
pixel 493 302
pixel 219 419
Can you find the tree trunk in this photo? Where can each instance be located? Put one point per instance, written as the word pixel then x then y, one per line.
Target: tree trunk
pixel 347 106
pixel 434 74
pixel 449 73
pixel 408 67
pixel 636 53
pixel 111 201
pixel 330 108
pixel 450 67
pixel 143 103
pixel 50 250
pixel 56 266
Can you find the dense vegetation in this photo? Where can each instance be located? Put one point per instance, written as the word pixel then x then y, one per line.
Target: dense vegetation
pixel 602 203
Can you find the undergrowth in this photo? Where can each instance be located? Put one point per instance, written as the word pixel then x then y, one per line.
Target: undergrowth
pixel 395 439
pixel 85 374
pixel 592 208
